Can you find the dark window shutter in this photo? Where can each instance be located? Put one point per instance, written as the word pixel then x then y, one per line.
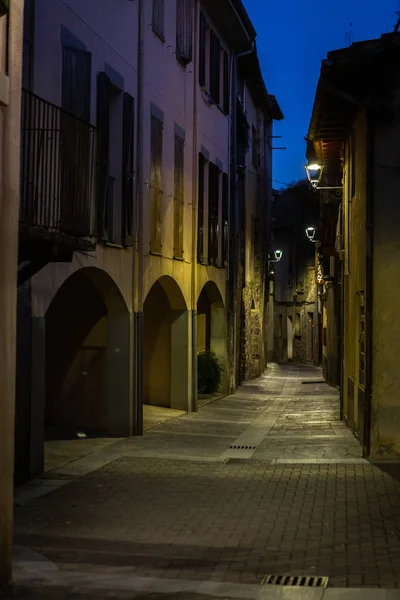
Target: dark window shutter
pixel 103 126
pixel 200 212
pixel 128 121
pixel 76 81
pixel 155 184
pixel 178 196
pixel 225 208
pixel 226 83
pixel 158 17
pixel 184 30
pixel 202 50
pixel 215 56
pixel 213 199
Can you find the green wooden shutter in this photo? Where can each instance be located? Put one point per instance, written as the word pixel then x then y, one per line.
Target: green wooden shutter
pixel 128 120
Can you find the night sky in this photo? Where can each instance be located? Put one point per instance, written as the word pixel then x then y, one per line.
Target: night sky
pixel 293 37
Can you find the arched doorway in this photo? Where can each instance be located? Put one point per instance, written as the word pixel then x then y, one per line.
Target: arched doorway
pixel 211 325
pixel 165 346
pixel 88 357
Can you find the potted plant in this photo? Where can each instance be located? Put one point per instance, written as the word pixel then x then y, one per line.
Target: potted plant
pixel 4 7
pixel 209 372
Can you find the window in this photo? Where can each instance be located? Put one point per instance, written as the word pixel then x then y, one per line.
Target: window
pixel 213 225
pixel 202 52
pixel 103 127
pixel 158 18
pixel 76 79
pixel 225 222
pixel 178 196
pixel 200 211
pixel 215 67
pixel 75 139
pixel 128 119
pixel 155 184
pixel 226 81
pixel 255 148
pixel 184 30
pixel 361 369
pixel 353 165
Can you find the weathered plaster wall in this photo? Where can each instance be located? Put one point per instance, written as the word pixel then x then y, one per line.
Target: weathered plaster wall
pixel 355 269
pixel 385 426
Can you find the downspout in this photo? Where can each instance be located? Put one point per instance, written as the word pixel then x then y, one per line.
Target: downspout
pixel 194 406
pixel 234 284
pixel 369 286
pixel 137 278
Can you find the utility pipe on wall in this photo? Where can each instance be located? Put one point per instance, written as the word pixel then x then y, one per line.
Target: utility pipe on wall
pixel 194 212
pixel 137 275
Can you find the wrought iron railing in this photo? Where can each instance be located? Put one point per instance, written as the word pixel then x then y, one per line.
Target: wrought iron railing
pixel 58 164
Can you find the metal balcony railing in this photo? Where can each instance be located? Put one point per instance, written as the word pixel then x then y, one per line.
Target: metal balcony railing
pixel 58 168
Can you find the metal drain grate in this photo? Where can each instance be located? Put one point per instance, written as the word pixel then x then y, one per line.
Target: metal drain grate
pixel 296 581
pixel 242 447
pixel 313 382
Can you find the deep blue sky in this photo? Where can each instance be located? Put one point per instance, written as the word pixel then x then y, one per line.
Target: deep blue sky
pixel 293 37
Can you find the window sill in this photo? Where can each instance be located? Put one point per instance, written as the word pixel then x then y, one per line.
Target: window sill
pixel 180 258
pixel 183 62
pixel 155 253
pixel 160 36
pixel 113 245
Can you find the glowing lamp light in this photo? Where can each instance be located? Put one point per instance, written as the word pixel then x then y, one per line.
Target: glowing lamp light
pixel 314 174
pixel 310 233
pixel 278 255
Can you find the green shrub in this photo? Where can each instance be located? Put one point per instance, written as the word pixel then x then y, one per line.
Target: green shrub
pixel 209 372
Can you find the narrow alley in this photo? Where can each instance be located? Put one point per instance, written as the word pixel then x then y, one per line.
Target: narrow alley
pixel 268 481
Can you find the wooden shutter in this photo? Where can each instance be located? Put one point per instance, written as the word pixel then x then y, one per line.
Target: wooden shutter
pixel 215 58
pixel 128 120
pixel 202 50
pixel 184 30
pixel 178 196
pixel 103 126
pixel 226 83
pixel 76 81
pixel 225 208
pixel 158 17
pixel 213 226
pixel 200 212
pixel 155 184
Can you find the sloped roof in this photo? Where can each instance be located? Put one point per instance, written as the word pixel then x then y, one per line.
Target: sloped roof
pixel 363 75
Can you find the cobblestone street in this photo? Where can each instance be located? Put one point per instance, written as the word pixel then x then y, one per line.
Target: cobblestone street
pixel 267 481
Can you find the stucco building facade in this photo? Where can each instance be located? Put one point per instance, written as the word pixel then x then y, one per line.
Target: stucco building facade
pixel 357 101
pixel 115 319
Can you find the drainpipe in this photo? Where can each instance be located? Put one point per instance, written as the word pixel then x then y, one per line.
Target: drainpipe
pixel 369 287
pixel 194 406
pixel 234 286
pixel 137 276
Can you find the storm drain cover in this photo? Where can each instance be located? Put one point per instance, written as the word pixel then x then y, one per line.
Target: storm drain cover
pixel 296 581
pixel 242 447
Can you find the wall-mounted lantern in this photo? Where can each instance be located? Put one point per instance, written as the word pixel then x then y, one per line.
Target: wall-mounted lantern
pixel 278 255
pixel 314 174
pixel 310 233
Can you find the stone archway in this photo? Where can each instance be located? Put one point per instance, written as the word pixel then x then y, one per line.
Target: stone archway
pixel 88 356
pixel 211 325
pixel 166 346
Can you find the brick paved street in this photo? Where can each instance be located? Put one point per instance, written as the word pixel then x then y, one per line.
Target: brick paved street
pixel 180 503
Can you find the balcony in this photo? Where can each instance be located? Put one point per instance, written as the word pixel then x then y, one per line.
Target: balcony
pixel 58 202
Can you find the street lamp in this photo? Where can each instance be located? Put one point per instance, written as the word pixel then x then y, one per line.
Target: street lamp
pixel 278 256
pixel 314 174
pixel 310 233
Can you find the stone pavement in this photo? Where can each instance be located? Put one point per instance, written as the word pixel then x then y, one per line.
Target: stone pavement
pixel 267 481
